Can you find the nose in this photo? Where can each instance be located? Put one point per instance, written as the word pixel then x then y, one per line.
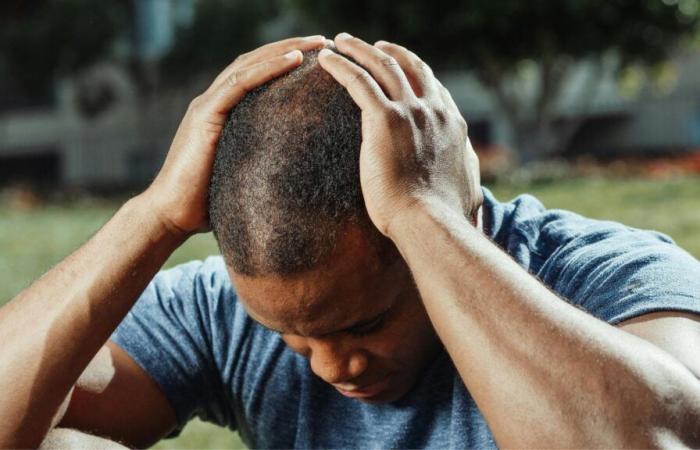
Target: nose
pixel 333 363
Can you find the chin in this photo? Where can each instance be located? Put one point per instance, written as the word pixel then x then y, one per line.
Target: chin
pixel 390 395
pixel 382 399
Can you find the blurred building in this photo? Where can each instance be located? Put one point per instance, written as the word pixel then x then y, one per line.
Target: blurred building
pixel 99 130
pixel 609 122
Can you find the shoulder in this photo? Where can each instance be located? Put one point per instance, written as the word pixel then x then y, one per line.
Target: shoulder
pixel 530 232
pixel 210 271
pixel 204 281
pixel 611 270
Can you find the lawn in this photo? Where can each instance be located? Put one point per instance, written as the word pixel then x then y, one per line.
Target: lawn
pixel 33 241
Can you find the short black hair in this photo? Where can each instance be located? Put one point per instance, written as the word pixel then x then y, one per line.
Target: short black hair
pixel 286 176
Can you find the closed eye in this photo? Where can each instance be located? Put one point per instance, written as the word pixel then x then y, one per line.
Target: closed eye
pixel 369 327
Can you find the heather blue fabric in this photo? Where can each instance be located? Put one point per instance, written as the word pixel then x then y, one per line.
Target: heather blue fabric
pixel 189 332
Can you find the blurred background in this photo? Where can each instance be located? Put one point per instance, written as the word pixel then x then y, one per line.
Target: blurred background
pixel 591 105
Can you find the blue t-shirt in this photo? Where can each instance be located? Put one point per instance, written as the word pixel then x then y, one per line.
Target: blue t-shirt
pixel 211 360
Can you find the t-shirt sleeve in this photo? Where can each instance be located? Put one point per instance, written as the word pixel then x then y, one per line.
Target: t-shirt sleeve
pixel 168 333
pixel 617 273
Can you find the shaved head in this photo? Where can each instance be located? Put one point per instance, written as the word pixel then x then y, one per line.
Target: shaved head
pixel 286 175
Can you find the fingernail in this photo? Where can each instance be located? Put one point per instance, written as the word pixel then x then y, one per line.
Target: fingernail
pixel 380 43
pixel 343 36
pixel 324 52
pixel 317 37
pixel 294 54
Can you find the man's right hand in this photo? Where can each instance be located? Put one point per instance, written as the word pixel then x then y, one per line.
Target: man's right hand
pixel 179 192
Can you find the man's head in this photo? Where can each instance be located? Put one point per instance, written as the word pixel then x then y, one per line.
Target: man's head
pixel 286 175
pixel 287 210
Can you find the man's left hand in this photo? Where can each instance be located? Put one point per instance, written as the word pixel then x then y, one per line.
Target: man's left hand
pixel 415 148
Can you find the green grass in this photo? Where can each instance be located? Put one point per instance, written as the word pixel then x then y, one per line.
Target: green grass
pixel 671 206
pixel 33 241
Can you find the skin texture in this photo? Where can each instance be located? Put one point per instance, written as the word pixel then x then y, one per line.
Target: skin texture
pixel 606 387
pixel 53 329
pixel 359 322
pixel 77 440
pixel 549 376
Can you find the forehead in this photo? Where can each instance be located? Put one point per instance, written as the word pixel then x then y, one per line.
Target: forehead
pixel 351 285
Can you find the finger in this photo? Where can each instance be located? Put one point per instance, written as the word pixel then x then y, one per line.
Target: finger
pixel 418 73
pixel 363 89
pixel 240 82
pixel 447 98
pixel 474 191
pixel 383 68
pixel 270 51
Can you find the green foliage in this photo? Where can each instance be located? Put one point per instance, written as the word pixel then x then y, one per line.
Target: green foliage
pixel 47 38
pixel 469 33
pixel 221 30
pixel 497 39
pixel 202 435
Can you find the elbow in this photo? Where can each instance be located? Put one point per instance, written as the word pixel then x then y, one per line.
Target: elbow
pixel 676 421
pixel 660 414
pixel 669 416
pixel 680 428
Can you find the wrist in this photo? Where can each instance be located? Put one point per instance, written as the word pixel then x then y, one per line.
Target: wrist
pixel 422 211
pixel 155 218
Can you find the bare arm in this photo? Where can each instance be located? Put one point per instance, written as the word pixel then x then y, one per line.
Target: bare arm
pixel 542 372
pixel 52 330
pixel 81 300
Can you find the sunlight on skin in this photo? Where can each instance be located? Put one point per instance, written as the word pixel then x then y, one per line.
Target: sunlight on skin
pixel 99 373
pixel 95 378
pixel 74 440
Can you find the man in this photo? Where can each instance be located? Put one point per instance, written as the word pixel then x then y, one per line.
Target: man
pixel 396 313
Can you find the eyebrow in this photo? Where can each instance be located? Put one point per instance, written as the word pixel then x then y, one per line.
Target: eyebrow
pixel 343 330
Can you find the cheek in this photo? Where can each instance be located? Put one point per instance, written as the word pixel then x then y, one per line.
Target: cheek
pixel 408 337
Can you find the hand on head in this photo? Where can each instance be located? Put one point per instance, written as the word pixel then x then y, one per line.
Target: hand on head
pixel 415 147
pixel 179 192
pixel 414 140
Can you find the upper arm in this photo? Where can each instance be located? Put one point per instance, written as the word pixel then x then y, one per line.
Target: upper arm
pixel 677 333
pixel 616 273
pixel 117 399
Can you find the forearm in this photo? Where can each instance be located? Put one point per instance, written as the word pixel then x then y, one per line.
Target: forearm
pixel 542 372
pixel 52 329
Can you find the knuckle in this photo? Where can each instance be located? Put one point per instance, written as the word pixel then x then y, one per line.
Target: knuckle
pixel 394 116
pixel 471 154
pixel 240 59
pixel 195 103
pixel 462 123
pixel 419 115
pixel 196 108
pixel 418 111
pixel 360 76
pixel 441 114
pixel 387 61
pixel 237 77
pixel 422 66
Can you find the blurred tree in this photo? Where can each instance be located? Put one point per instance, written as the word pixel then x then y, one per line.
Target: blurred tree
pixel 220 31
pixel 507 41
pixel 40 40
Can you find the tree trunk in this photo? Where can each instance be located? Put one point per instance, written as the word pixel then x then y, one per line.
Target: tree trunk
pixel 536 128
